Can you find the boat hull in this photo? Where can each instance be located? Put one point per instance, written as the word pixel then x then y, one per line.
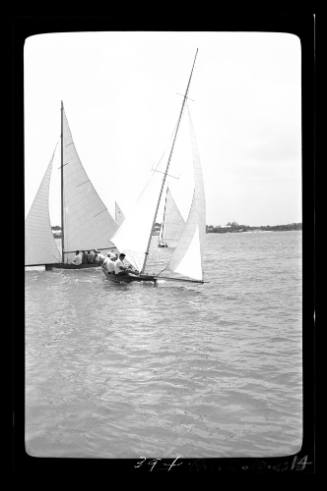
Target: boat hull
pixel 126 278
pixel 49 267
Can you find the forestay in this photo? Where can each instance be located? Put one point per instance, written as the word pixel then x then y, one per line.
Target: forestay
pixel 87 222
pixel 40 246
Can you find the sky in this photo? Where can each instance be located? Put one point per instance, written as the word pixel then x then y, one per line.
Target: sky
pixel 122 96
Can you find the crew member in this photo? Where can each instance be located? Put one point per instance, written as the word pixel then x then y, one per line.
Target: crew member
pixel 108 264
pixel 99 258
pixel 90 256
pixel 120 267
pixel 77 260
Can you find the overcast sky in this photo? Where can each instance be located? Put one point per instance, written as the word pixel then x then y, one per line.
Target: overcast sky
pixel 121 97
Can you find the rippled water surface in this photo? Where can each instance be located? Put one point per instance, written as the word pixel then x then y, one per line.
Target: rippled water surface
pixel 186 370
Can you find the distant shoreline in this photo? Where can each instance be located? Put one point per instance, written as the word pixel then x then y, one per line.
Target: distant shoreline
pixel 212 229
pixel 236 228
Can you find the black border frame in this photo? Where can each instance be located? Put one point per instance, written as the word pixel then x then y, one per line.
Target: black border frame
pixel 299 23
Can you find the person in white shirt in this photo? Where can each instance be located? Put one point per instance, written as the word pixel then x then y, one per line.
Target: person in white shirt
pixel 122 267
pixel 99 258
pixel 77 260
pixel 90 257
pixel 108 264
pixel 106 260
pixel 119 264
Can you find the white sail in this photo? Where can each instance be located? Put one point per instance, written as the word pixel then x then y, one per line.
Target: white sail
pixel 133 235
pixel 186 259
pixel 119 215
pixel 172 222
pixel 40 246
pixel 87 222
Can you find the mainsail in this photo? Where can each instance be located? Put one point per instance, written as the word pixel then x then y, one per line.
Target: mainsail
pixel 40 246
pixel 172 222
pixel 87 222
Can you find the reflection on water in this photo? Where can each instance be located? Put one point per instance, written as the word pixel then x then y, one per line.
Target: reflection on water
pixel 209 370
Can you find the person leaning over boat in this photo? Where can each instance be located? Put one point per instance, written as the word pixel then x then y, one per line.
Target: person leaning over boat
pixel 84 257
pixel 121 268
pixel 77 260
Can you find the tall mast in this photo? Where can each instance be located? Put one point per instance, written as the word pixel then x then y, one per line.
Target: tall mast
pixel 168 162
pixel 62 184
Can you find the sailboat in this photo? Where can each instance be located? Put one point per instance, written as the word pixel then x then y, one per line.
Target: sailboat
pixel 86 223
pixel 172 223
pixel 134 236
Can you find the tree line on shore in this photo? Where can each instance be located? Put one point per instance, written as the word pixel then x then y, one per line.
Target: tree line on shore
pixel 235 227
pixel 229 227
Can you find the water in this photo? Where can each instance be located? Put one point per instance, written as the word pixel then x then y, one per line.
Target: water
pixel 213 370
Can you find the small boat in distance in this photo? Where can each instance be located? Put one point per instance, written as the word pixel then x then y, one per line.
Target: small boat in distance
pixel 172 223
pixel 86 223
pixel 134 236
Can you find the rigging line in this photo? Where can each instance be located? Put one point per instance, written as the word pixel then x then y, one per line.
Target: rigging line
pixel 161 271
pixel 188 98
pixel 164 151
pixel 158 163
pixel 155 169
pixel 165 173
pixel 169 160
pixel 146 185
